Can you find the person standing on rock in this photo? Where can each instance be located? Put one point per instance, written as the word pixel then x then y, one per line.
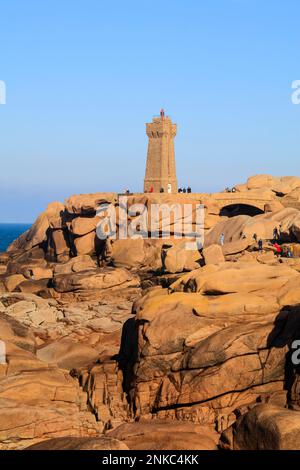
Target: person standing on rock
pixel 222 239
pixel 278 250
pixel 189 189
pixel 260 245
pixel 255 237
pixel 290 253
pixel 275 234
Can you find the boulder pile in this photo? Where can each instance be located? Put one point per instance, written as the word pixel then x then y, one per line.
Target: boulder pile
pixel 141 343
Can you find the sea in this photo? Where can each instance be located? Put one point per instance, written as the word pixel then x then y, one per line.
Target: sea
pixel 9 232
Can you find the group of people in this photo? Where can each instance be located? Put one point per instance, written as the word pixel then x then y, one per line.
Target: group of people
pixel 230 190
pixel 280 251
pixel 185 190
pixel 161 190
pixel 169 190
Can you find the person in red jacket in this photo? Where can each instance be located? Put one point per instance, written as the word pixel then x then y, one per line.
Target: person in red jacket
pixel 278 249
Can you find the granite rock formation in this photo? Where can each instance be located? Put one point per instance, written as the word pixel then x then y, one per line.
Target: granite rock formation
pixel 142 344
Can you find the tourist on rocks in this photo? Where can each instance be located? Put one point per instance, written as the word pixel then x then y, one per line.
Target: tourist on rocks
pixel 255 237
pixel 180 190
pixel 290 253
pixel 184 190
pixel 151 189
pixel 189 190
pixel 222 239
pixel 260 245
pixel 284 251
pixel 161 190
pixel 278 249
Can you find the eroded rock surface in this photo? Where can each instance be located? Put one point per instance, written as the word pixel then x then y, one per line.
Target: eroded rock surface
pixel 100 334
pixel 205 353
pixel 37 401
pixel 265 427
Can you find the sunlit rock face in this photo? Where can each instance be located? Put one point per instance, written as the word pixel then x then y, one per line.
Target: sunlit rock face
pixel 195 343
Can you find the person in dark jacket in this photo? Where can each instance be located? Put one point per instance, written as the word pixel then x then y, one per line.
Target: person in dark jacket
pixel 275 234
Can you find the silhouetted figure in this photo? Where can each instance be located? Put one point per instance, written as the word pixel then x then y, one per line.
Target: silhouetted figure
pixel 255 237
pixel 260 245
pixel 184 190
pixel 161 190
pixel 180 190
pixel 275 234
pixel 189 190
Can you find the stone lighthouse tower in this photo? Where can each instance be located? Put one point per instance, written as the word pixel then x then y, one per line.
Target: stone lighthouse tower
pixel 160 167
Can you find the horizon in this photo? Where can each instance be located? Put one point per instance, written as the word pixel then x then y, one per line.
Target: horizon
pixel 85 78
pixel 33 221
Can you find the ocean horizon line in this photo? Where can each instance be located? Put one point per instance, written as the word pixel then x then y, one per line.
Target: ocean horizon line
pixel 16 223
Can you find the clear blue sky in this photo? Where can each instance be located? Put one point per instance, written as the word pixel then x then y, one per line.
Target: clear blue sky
pixel 83 77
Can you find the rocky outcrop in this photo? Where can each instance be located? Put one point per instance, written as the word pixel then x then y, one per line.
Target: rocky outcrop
pixel 106 397
pixel 75 265
pixel 166 435
pixel 204 355
pixel 178 257
pixel 265 427
pixel 69 334
pixel 80 443
pixel 37 235
pixel 91 363
pixel 243 227
pixel 281 186
pixel 90 283
pixel 139 254
pixel 37 401
pixel 213 254
pixel 229 278
pixel 66 230
pixel 68 354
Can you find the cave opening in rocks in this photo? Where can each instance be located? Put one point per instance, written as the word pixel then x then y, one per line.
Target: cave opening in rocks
pixel 240 209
